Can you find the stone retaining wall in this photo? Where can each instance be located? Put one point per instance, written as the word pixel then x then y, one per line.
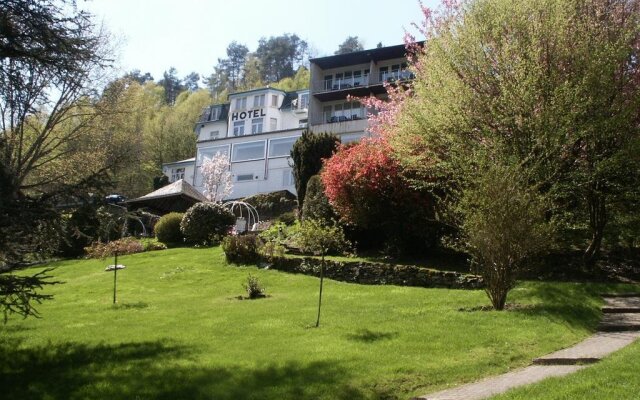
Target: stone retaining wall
pixel 378 273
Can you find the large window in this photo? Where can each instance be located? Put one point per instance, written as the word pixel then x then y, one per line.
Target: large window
pixel 238 128
pixel 281 147
pixel 248 151
pixel 256 125
pixel 209 152
pixel 258 101
pixel 341 112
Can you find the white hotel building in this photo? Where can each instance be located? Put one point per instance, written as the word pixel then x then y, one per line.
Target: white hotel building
pixel 257 128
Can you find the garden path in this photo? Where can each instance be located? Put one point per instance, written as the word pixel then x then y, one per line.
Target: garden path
pixel 620 326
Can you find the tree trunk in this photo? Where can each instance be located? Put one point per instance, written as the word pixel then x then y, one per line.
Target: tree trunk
pixel 597 223
pixel 320 297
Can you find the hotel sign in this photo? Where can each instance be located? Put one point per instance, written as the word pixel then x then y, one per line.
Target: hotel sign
pixel 237 116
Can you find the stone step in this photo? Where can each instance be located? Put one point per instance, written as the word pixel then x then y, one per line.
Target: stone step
pixel 620 310
pixel 622 302
pixel 620 295
pixel 620 322
pixel 590 350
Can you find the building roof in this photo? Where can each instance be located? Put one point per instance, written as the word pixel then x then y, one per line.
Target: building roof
pixel 361 57
pixel 187 161
pixel 208 114
pixel 177 196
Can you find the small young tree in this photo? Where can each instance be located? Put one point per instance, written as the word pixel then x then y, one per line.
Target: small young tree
pixel 320 238
pixel 217 178
pixel 503 225
pixel 307 155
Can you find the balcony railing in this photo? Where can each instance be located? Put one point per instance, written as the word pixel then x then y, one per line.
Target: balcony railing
pixel 344 116
pixel 344 83
pixel 397 75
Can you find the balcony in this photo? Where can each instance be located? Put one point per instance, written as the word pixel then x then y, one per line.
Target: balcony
pixel 339 124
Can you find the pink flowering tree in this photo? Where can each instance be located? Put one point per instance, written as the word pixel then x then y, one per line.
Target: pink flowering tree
pixel 217 178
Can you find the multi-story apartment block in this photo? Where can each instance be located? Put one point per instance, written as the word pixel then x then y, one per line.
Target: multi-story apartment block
pixel 336 80
pixel 257 128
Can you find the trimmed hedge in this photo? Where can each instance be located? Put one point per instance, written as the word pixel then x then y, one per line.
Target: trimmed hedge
pixel 167 229
pixel 206 223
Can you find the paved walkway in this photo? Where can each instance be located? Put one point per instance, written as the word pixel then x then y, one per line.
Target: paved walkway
pixel 620 326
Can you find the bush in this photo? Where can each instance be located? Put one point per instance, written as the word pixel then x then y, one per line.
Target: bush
pixel 152 244
pixel 366 187
pixel 274 204
pixel 271 249
pixel 288 218
pixel 244 249
pixel 168 228
pixel 307 154
pixel 316 205
pixel 253 287
pixel 206 223
pixel 123 246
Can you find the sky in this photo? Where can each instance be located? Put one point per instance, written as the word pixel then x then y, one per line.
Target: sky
pixel 190 35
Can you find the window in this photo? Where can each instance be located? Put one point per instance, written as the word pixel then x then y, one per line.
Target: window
pixel 256 125
pixel 258 101
pixel 214 134
pixel 273 124
pixel 244 177
pixel 238 128
pixel 281 147
pixel 287 177
pixel 357 78
pixel 328 79
pixel 304 100
pixel 177 174
pixel 241 103
pixel 274 100
pixel 326 113
pixel 303 123
pixel 383 73
pixel 248 151
pixel 210 152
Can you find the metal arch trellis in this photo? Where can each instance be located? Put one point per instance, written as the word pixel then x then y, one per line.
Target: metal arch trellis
pixel 245 210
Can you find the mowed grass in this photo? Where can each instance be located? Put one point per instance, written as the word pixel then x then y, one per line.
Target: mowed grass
pixel 616 377
pixel 179 332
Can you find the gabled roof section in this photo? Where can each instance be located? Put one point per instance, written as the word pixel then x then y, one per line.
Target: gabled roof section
pixel 361 57
pixel 211 113
pixel 177 188
pixel 187 161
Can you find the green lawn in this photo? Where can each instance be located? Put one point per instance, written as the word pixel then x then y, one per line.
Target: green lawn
pixel 616 377
pixel 179 332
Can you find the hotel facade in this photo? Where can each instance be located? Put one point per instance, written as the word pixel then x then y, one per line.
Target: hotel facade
pixel 257 128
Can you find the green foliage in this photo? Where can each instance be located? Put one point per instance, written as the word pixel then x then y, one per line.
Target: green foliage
pixel 273 204
pixel 288 218
pixel 307 155
pixel 167 229
pixel 280 56
pixel 503 225
pixel 242 249
pixel 254 288
pixel 206 223
pixel 549 85
pixel 318 238
pixel 271 249
pixel 350 44
pixel 123 246
pixel 300 81
pixel 316 205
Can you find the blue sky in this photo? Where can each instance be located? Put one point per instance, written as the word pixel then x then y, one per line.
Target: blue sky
pixel 192 34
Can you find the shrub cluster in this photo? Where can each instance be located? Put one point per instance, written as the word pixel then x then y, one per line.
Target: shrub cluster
pixel 242 249
pixel 126 245
pixel 253 287
pixel 206 223
pixel 274 204
pixel 168 228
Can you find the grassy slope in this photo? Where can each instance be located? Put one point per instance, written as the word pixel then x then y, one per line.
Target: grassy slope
pixel 179 332
pixel 616 377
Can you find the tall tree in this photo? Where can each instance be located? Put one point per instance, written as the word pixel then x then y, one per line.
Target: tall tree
pixel 551 86
pixel 139 77
pixel 233 65
pixel 50 144
pixel 307 155
pixel 280 56
pixel 172 85
pixel 191 81
pixel 350 44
